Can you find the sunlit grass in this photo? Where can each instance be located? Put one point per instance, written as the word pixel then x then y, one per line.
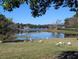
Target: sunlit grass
pixel 63 31
pixel 35 50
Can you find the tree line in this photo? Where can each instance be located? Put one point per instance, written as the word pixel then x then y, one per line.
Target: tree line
pixel 71 22
pixel 20 25
pixel 7 27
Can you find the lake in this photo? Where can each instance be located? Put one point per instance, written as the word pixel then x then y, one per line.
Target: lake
pixel 41 35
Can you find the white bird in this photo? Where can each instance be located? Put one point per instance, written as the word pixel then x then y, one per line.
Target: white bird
pixel 69 43
pixel 40 41
pixel 60 43
pixel 30 39
pixel 57 44
pixel 0 41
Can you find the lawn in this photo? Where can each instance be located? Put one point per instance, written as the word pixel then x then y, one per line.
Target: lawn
pixel 35 50
pixel 63 31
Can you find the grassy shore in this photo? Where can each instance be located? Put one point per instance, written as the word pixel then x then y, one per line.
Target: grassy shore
pixel 35 50
pixel 63 31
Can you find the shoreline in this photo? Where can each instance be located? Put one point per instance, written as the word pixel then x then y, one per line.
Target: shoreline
pixel 63 31
pixel 58 39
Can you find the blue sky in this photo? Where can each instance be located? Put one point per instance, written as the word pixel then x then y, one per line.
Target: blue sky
pixel 23 15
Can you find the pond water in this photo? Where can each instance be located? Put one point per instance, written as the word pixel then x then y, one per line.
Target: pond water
pixel 39 35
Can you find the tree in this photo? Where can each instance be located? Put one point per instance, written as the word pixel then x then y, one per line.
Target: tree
pixel 71 22
pixel 39 7
pixel 6 28
pixel 58 22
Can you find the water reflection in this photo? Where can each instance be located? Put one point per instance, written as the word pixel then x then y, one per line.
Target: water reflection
pixel 58 35
pixel 70 35
pixel 42 35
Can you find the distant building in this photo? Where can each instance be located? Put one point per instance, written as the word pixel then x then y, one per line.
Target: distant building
pixel 27 27
pixel 55 27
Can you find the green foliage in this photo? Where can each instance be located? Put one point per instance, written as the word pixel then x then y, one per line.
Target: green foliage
pixel 39 7
pixel 6 28
pixel 71 22
pixel 31 26
pixel 4 22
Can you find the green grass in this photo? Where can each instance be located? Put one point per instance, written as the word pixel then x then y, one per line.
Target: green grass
pixel 35 50
pixel 69 32
pixel 63 31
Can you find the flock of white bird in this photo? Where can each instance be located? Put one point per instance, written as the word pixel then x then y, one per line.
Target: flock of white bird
pixel 63 43
pixel 59 43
